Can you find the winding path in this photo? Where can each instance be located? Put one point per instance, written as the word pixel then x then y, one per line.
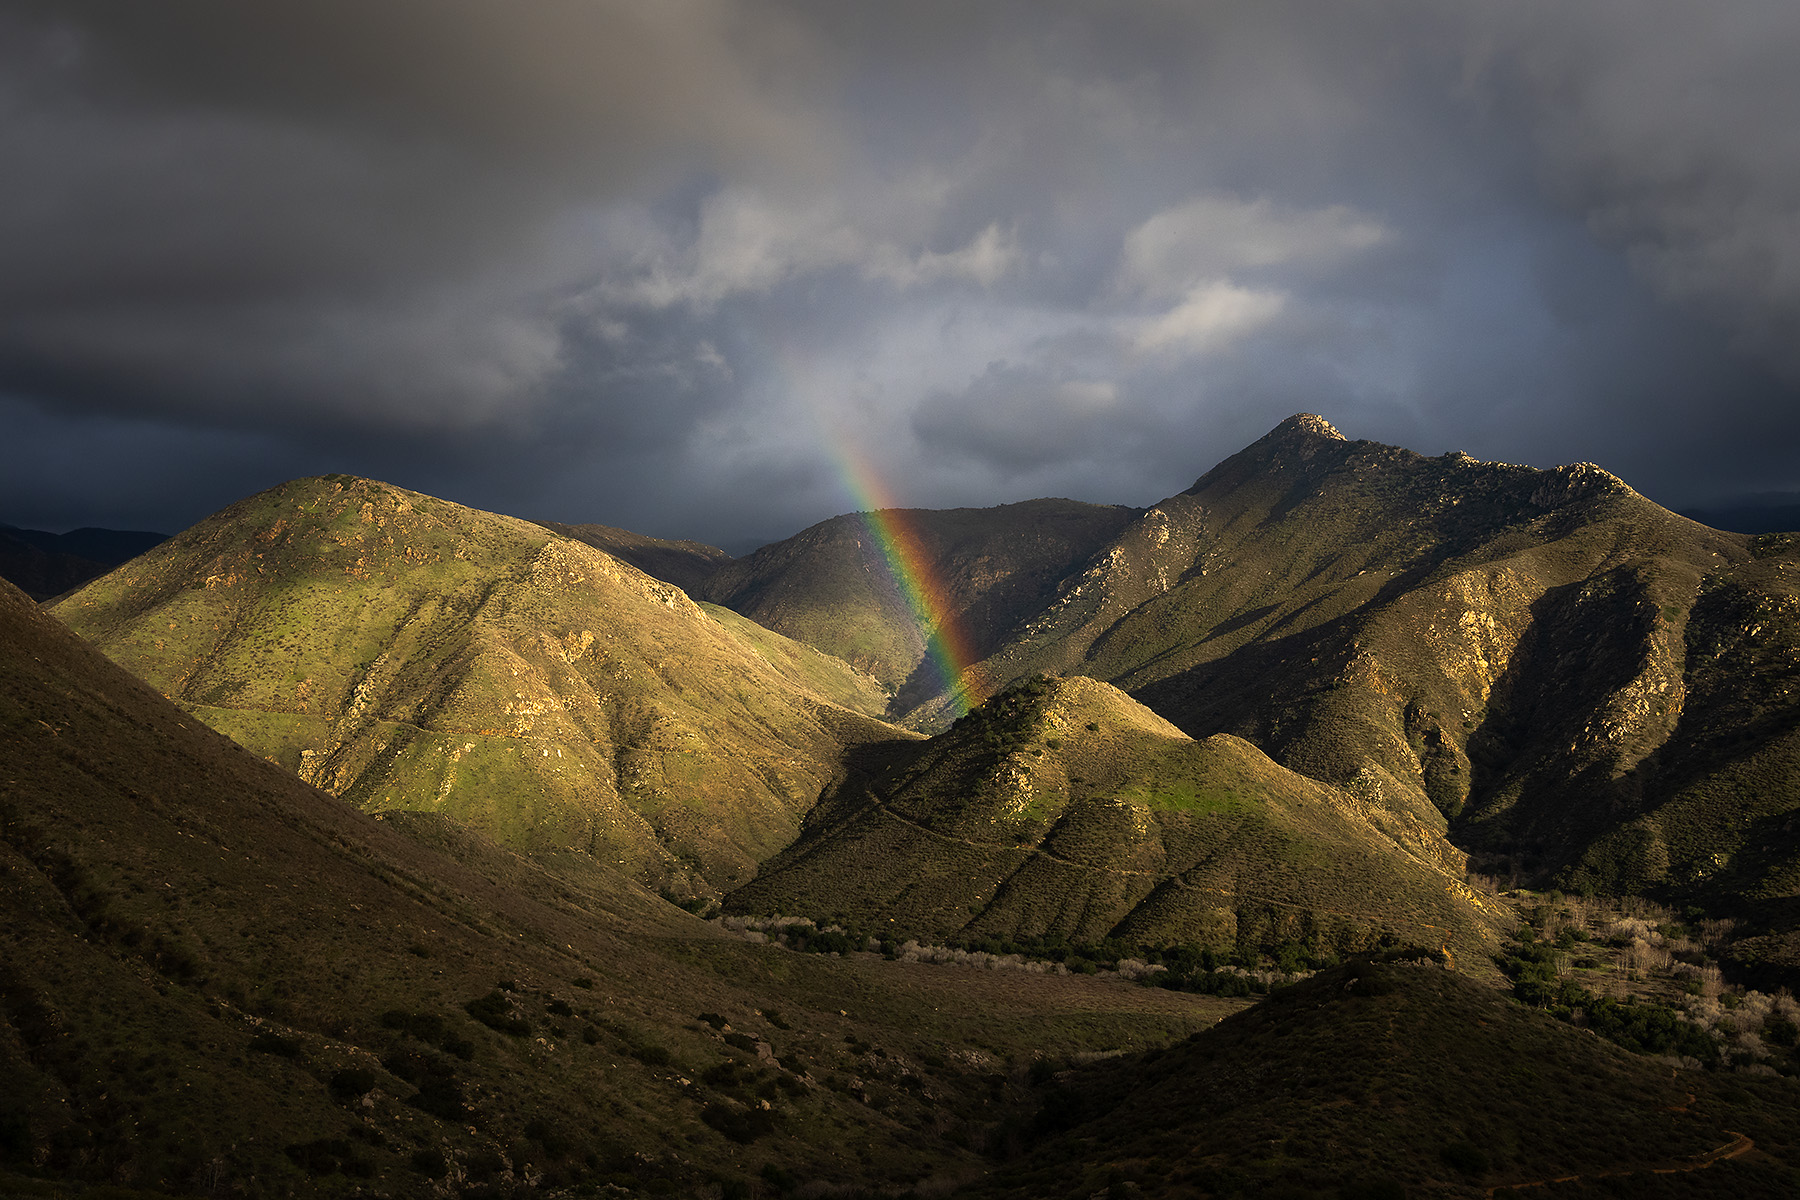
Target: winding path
pixel 1740 1145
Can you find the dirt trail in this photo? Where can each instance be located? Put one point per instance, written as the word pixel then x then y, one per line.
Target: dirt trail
pixel 1737 1147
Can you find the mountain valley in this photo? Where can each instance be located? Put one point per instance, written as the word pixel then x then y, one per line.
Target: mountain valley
pixel 365 843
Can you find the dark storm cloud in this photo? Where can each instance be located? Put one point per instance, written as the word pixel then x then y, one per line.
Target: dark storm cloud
pixel 661 264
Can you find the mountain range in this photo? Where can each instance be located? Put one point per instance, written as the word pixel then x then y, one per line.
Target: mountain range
pixel 1594 692
pixel 415 923
pixel 219 980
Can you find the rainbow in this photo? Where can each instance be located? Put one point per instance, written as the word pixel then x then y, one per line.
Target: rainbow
pixel 947 646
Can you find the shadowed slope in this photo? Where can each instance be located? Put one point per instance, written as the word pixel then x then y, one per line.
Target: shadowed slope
pixel 1397 1079
pixel 404 652
pixel 1066 808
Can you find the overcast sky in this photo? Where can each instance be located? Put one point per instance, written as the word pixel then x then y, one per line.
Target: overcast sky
pixel 662 264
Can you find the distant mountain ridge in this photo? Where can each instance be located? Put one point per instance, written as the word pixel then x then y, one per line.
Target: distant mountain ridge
pixel 1765 512
pixel 1594 691
pixel 44 565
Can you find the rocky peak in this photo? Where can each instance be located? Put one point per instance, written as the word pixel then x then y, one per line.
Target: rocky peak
pixel 1577 481
pixel 1304 425
pixel 1297 441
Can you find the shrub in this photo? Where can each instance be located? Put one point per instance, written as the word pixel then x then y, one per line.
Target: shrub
pixel 351 1083
pixel 441 1097
pixel 274 1043
pixel 654 1056
pixel 496 1012
pixel 741 1125
pixel 327 1156
pixel 723 1075
pixel 430 1163
pixel 429 1028
pixel 556 1144
pixel 1465 1158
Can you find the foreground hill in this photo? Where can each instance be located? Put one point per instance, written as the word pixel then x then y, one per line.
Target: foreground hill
pixel 216 979
pixel 1403 1079
pixel 831 586
pixel 1064 808
pixel 407 653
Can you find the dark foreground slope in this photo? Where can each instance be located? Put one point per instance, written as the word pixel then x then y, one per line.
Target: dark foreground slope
pixel 407 653
pixel 831 587
pixel 1397 1079
pixel 1065 808
pixel 216 979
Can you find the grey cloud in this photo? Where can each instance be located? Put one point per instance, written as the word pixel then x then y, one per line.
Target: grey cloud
pixel 334 213
pixel 1674 129
pixel 643 262
pixel 1015 419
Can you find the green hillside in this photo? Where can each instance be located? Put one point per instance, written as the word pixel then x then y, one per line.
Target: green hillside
pixel 830 587
pixel 403 652
pixel 218 980
pixel 1064 808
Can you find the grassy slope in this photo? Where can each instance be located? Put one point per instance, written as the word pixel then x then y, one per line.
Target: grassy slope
pixel 196 944
pixel 829 586
pixel 405 652
pixel 808 669
pixel 1079 812
pixel 1391 1080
